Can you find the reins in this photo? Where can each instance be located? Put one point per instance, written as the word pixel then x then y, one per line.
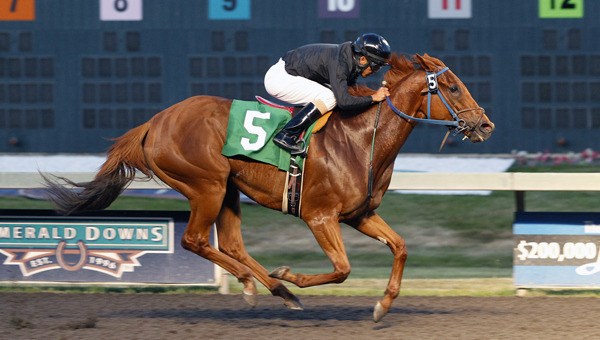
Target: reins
pixel 370 184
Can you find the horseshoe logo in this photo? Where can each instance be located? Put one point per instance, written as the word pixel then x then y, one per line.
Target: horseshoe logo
pixel 60 251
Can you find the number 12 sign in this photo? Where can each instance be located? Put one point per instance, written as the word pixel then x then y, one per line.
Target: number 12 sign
pixel 554 9
pixel 121 10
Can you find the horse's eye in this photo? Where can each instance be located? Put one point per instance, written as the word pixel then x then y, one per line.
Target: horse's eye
pixel 453 88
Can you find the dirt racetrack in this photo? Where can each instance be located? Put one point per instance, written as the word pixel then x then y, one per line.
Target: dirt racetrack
pixel 213 316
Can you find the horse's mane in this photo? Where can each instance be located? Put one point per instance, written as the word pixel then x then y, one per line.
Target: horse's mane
pixel 400 67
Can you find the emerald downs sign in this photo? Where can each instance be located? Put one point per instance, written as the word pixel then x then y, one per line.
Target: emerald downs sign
pixel 108 246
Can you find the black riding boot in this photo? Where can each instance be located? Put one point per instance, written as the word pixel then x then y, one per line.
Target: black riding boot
pixel 289 137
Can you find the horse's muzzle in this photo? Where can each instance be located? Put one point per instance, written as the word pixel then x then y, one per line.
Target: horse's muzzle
pixel 481 132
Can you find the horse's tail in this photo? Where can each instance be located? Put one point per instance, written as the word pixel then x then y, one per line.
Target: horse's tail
pixel 123 158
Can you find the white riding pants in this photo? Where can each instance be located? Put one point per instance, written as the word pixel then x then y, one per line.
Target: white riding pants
pixel 297 90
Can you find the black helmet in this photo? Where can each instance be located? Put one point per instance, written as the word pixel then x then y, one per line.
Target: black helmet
pixel 375 48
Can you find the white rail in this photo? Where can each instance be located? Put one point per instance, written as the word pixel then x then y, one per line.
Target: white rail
pixel 33 180
pixel 507 181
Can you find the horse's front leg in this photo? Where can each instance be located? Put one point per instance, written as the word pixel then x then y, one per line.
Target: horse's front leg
pixel 374 226
pixel 329 236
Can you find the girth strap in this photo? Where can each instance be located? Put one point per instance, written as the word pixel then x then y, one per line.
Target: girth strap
pixel 293 184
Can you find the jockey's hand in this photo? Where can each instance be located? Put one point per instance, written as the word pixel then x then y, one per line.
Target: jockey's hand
pixel 380 95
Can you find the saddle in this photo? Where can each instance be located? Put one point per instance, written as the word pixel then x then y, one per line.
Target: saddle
pixel 292 192
pixel 321 122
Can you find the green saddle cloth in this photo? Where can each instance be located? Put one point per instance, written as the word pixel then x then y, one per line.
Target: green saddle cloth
pixel 250 132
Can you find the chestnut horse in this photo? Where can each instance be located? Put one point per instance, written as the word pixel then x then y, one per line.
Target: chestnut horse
pixel 344 181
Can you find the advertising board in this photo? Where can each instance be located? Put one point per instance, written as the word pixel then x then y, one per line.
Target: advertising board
pixel 127 247
pixel 556 250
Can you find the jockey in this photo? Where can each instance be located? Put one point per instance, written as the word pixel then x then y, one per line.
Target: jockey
pixel 317 76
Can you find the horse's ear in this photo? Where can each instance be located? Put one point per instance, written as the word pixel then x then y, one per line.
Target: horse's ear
pixel 422 60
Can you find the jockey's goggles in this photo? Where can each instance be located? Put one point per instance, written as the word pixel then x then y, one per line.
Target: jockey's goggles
pixel 375 66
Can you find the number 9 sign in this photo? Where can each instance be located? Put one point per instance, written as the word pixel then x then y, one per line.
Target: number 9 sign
pixel 121 10
pixel 229 9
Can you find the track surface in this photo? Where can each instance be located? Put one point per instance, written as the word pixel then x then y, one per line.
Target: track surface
pixel 213 316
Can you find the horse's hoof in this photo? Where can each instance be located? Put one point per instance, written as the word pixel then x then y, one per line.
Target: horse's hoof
pixel 251 299
pixel 294 304
pixel 379 312
pixel 278 273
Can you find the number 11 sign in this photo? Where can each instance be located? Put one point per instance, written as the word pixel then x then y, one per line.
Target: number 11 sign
pixel 449 9
pixel 121 10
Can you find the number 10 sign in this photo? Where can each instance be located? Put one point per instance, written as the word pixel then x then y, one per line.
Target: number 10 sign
pixel 121 10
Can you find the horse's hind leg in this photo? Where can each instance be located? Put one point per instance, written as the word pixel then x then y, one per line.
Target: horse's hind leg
pixel 204 211
pixel 231 243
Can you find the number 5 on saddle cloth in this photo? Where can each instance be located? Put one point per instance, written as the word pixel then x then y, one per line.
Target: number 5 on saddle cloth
pixel 250 132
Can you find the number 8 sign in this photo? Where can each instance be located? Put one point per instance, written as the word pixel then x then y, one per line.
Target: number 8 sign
pixel 121 10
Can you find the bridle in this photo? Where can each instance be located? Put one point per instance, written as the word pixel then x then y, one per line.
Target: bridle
pixel 458 124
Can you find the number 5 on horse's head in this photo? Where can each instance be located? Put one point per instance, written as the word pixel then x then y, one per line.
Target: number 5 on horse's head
pixel 347 171
pixel 445 101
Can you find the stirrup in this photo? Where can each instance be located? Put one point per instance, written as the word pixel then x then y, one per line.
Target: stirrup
pixel 302 150
pixel 294 150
